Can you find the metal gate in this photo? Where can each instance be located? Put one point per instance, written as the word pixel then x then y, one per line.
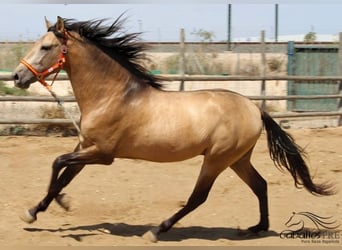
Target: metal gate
pixel 313 60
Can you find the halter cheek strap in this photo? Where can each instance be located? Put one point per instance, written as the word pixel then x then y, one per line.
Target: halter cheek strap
pixel 55 68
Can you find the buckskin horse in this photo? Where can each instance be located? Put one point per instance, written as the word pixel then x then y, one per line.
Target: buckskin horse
pixel 125 113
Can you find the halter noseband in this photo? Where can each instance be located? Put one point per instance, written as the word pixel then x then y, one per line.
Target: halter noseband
pixel 55 68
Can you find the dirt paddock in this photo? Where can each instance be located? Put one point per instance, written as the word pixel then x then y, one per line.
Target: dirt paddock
pixel 115 205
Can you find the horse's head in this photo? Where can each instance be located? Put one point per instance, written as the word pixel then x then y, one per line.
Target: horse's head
pixel 46 57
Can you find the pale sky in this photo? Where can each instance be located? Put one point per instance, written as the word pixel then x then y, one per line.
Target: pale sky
pixel 161 21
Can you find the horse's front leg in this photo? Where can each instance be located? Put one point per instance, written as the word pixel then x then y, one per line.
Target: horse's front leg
pixel 74 163
pixel 55 187
pixel 65 178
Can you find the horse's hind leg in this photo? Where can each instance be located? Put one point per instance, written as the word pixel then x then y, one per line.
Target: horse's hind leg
pixel 244 169
pixel 209 171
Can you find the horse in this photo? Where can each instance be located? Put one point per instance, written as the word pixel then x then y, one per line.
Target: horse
pixel 126 113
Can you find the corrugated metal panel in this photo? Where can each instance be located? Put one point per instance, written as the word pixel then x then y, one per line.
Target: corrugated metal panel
pixel 313 61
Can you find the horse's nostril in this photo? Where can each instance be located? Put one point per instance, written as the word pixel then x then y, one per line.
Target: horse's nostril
pixel 15 77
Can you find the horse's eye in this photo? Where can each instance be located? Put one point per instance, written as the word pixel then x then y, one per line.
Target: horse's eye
pixel 46 47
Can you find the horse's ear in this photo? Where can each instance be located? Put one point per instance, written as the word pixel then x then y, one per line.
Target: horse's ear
pixel 60 25
pixel 47 23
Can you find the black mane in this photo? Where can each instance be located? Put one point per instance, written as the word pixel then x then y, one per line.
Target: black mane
pixel 126 49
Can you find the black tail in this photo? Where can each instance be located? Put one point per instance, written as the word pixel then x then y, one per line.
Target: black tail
pixel 286 153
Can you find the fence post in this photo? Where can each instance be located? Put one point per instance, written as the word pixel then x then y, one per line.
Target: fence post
pixel 229 31
pixel 263 68
pixel 340 73
pixel 182 58
pixel 290 72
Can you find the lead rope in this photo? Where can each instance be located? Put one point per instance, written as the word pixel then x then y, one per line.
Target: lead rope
pixel 66 112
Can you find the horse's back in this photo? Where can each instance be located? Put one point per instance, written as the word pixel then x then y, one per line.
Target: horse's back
pixel 221 106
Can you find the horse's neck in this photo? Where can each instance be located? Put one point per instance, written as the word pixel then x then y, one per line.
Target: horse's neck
pixel 94 77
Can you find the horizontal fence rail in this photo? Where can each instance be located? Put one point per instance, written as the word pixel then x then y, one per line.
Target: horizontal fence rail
pixel 69 122
pixel 36 121
pixel 185 78
pixel 251 78
pixel 214 78
pixel 255 98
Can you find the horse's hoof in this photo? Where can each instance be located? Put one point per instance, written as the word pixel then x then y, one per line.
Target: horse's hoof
pixel 63 201
pixel 150 236
pixel 28 217
pixel 258 228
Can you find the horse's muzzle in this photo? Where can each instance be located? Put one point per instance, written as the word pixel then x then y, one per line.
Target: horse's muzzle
pixel 22 82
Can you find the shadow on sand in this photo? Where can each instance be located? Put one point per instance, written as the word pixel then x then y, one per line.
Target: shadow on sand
pixel 175 234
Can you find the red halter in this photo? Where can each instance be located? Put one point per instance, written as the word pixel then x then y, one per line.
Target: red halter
pixel 55 68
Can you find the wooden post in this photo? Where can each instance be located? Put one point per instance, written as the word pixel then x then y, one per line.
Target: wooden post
pixel 340 82
pixel 182 58
pixel 263 68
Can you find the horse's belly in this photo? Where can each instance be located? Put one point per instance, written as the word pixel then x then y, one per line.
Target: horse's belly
pixel 164 152
pixel 160 157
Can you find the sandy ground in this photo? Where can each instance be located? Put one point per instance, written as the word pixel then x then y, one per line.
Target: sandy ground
pixel 115 205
